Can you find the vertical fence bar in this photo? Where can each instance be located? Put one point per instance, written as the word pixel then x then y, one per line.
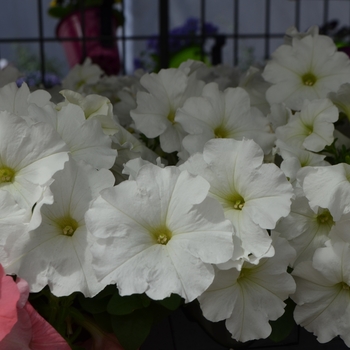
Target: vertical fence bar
pixel 297 14
pixel 82 16
pixel 123 39
pixel 163 6
pixel 202 23
pixel 235 29
pixel 41 42
pixel 325 11
pixel 267 28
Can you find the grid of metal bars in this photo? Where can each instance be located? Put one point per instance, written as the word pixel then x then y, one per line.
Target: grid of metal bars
pixel 163 13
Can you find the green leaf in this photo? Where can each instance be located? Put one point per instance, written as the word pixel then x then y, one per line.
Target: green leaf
pixel 192 52
pixel 172 302
pixel 123 305
pixel 133 329
pixel 282 327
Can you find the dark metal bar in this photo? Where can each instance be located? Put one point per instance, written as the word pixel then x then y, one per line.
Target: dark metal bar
pixel 41 42
pixel 163 6
pixel 325 11
pixel 123 42
pixel 297 14
pixel 106 24
pixel 142 37
pixel 267 28
pixel 235 32
pixel 202 23
pixel 216 50
pixel 82 19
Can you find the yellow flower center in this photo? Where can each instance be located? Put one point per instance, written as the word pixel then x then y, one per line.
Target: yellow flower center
pixel 245 273
pixel 235 201
pixel 345 286
pixel 325 218
pixel 220 132
pixel 6 175
pixel 309 79
pixel 161 235
pixel 171 116
pixel 68 225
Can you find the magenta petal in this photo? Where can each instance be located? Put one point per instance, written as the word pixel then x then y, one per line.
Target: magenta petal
pixel 44 335
pixel 20 334
pixel 9 296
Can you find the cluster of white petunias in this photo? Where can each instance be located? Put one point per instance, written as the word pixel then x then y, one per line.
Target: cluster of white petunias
pixel 165 183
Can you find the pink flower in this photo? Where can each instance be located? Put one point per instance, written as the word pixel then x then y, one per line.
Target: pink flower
pixel 9 296
pixel 21 327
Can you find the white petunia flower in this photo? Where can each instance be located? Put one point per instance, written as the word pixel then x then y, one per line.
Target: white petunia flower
pixel 293 32
pixel 94 106
pixel 8 75
pixel 279 115
pixel 309 68
pixel 29 156
pixel 225 76
pixel 254 84
pixel 305 229
pixel 254 195
pixel 80 75
pixel 341 99
pixel 13 222
pixel 311 128
pixel 85 138
pixel 159 234
pixel 157 108
pixel 128 147
pixel 294 159
pixel 322 295
pixel 57 252
pixel 225 115
pixel 17 100
pixel 250 298
pixel 327 187
pixel 341 229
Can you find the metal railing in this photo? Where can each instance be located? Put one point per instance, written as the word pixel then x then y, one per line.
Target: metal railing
pixel 163 34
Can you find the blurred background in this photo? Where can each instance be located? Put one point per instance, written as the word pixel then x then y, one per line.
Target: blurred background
pixel 157 33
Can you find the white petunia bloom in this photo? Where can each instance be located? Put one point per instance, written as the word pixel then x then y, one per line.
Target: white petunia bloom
pixel 128 147
pixel 225 115
pixel 57 252
pixel 311 128
pixel 322 295
pixel 8 75
pixel 85 138
pixel 250 298
pixel 294 159
pixel 305 229
pixel 81 75
pixel 327 187
pixel 13 222
pixel 293 32
pixel 29 156
pixel 254 84
pixel 341 99
pixel 225 76
pixel 309 68
pixel 254 195
pixel 157 108
pixel 159 234
pixel 279 115
pixel 17 100
pixel 94 106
